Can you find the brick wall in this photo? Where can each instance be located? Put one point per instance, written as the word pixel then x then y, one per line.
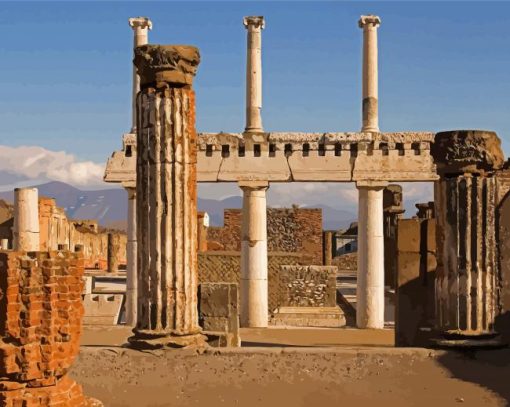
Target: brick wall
pixel 291 230
pixel 40 325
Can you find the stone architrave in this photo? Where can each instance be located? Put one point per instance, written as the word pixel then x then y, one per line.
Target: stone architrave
pixel 166 198
pixel 254 25
pixel 370 108
pixel 465 207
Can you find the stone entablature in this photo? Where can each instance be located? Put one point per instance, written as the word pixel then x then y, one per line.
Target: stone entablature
pixel 299 157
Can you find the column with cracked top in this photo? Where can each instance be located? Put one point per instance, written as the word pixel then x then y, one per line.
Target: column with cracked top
pixel 465 206
pixel 370 280
pixel 370 114
pixel 166 209
pixel 254 288
pixel 254 25
pixel 26 220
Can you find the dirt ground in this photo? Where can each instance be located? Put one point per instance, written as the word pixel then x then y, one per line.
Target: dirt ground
pixel 271 375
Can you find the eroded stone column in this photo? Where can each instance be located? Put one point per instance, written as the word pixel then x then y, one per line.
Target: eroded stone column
pixel 253 293
pixel 4 244
pixel 26 220
pixel 465 207
pixel 166 190
pixel 141 27
pixel 254 25
pixel 370 281
pixel 131 276
pixel 370 113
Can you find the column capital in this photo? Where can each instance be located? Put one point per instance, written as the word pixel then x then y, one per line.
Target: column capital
pixel 140 22
pixel 467 151
pixel 174 64
pixel 254 22
pixel 254 185
pixel 371 184
pixel 369 21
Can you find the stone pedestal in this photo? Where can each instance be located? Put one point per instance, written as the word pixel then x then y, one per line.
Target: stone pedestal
pixel 467 272
pixel 26 219
pixel 131 275
pixel 166 190
pixel 370 284
pixel 254 25
pixel 370 113
pixel 254 297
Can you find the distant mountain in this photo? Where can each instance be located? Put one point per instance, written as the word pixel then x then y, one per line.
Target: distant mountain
pixel 109 206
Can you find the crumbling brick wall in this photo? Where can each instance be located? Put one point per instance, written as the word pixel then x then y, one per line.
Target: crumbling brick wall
pixel 40 324
pixel 291 230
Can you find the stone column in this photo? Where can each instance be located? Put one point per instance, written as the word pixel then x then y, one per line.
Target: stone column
pixel 4 243
pixel 370 113
pixel 113 252
pixel 253 293
pixel 26 220
pixel 393 211
pixel 254 25
pixel 131 277
pixel 370 284
pixel 141 27
pixel 465 207
pixel 327 247
pixel 166 190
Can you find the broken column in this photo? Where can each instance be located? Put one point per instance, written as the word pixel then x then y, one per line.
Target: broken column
pixel 141 27
pixel 113 252
pixel 254 289
pixel 26 219
pixel 370 113
pixel 254 25
pixel 166 190
pixel 370 280
pixel 465 206
pixel 131 279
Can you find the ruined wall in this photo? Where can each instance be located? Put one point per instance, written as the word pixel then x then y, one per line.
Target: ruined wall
pixel 292 230
pixel 223 266
pixel 40 326
pixel 347 261
pixel 6 220
pixel 416 268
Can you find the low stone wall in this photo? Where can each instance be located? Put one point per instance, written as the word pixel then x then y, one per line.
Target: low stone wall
pixel 40 326
pixel 225 266
pixel 346 262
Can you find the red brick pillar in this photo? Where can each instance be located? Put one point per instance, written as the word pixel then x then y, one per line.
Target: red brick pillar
pixel 40 325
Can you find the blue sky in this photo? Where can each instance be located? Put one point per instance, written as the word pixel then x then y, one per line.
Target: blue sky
pixel 66 67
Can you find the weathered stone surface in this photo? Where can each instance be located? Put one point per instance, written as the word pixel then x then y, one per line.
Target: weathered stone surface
pixel 461 151
pixel 173 64
pixel 102 309
pixel 326 317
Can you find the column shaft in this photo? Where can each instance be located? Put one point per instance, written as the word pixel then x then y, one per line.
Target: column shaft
pixel 26 219
pixel 370 281
pixel 131 275
pixel 254 289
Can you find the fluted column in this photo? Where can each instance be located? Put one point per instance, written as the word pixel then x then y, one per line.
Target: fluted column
pixel 254 25
pixel 370 108
pixel 465 207
pixel 141 27
pixel 131 275
pixel 166 189
pixel 370 279
pixel 253 292
pixel 26 220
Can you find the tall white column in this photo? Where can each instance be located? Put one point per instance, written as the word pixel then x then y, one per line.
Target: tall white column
pixel 131 271
pixel 253 292
pixel 370 285
pixel 254 25
pixel 26 219
pixel 370 113
pixel 141 27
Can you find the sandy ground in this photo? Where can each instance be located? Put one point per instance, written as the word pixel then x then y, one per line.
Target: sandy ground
pixel 293 375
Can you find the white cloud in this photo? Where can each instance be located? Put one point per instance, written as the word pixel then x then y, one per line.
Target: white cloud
pixel 39 164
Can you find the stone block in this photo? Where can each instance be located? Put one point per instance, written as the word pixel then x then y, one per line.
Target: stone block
pixel 102 309
pixel 409 235
pixel 326 317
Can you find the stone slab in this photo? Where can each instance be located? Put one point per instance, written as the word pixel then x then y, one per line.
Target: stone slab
pixel 327 317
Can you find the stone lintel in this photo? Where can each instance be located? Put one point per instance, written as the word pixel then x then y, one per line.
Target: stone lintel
pixel 467 151
pixel 172 64
pixel 371 184
pixel 253 184
pixel 254 21
pixel 369 21
pixel 140 22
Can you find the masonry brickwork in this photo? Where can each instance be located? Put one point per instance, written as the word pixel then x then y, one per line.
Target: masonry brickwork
pixel 40 326
pixel 291 230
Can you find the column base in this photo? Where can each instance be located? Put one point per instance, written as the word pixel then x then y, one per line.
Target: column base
pixel 466 340
pixel 148 339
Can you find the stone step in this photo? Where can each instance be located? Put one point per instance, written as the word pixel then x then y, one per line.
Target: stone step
pixel 332 317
